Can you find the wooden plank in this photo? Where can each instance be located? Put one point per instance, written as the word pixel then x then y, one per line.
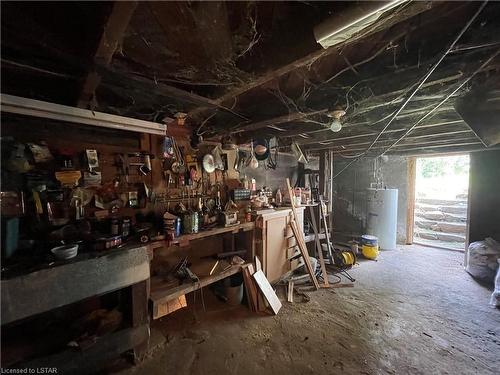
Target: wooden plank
pixel 322 168
pixel 267 291
pixel 261 303
pixel 163 309
pixel 410 200
pixel 246 281
pixel 329 192
pixel 300 237
pixel 290 291
pixel 250 286
pixel 305 254
pixel 213 232
pixel 340 286
pixel 318 246
pixel 112 35
pixel 291 117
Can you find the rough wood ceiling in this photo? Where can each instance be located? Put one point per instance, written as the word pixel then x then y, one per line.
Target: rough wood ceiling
pixel 255 69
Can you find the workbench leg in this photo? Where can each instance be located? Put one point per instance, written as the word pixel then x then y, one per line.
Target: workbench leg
pixel 140 296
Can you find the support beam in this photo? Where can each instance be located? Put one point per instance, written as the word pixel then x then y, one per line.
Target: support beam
pixel 332 140
pixel 408 141
pixel 291 117
pixel 360 147
pixel 112 35
pixel 410 197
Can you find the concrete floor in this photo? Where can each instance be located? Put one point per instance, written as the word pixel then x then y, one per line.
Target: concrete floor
pixel 414 311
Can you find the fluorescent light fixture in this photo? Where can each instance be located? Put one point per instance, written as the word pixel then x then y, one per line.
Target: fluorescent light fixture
pixel 342 27
pixel 38 108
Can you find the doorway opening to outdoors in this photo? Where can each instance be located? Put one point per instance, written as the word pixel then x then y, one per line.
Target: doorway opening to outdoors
pixel 441 191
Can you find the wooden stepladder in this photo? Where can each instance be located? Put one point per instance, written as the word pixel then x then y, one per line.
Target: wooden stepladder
pixel 319 248
pixel 299 238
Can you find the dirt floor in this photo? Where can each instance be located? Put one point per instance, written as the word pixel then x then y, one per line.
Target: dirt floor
pixel 414 311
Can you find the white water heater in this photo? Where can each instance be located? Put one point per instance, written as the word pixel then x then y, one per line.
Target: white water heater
pixel 382 216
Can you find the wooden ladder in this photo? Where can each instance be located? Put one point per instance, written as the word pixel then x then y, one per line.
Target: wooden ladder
pixel 317 240
pixel 299 238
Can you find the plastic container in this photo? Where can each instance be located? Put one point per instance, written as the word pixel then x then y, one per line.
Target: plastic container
pixel 370 252
pixel 65 252
pixel 233 289
pixel 369 240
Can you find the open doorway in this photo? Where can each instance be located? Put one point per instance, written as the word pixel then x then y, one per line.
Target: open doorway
pixel 441 191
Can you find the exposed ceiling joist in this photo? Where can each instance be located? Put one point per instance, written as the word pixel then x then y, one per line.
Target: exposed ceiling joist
pixel 412 10
pixel 111 37
pixel 432 135
pixel 409 141
pixel 298 116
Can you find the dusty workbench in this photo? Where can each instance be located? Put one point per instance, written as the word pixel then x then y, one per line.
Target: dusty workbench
pixel 125 270
pixel 162 292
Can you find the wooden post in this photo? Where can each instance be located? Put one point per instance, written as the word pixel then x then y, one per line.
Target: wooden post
pixel 139 299
pixel 330 192
pixel 322 172
pixel 410 210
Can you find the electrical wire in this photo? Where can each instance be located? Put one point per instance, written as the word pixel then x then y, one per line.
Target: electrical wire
pixel 415 90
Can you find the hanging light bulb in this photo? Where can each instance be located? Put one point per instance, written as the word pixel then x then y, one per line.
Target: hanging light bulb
pixel 336 115
pixel 335 125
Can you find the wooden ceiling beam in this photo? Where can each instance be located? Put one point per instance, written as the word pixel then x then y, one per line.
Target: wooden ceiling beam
pixel 408 139
pixel 111 37
pixel 423 144
pixel 291 117
pixel 310 140
pixel 331 143
pixel 452 149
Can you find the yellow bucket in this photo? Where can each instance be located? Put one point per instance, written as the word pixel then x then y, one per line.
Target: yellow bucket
pixel 370 252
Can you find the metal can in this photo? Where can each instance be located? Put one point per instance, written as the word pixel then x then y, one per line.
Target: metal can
pixel 125 227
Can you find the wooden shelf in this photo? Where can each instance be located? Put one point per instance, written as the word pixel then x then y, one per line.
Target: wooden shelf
pixel 214 232
pixel 311 238
pixel 163 292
